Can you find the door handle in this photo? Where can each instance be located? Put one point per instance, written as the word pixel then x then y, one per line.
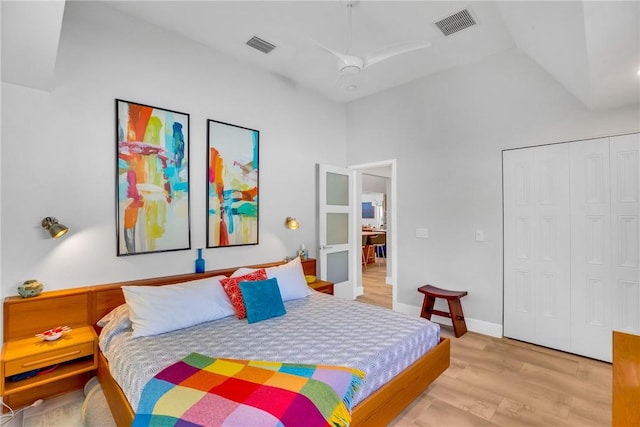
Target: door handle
pixel 326 247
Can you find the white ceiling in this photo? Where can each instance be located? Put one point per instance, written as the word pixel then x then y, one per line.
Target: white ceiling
pixel 592 48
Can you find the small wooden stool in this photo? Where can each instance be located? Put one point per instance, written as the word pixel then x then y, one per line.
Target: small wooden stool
pixel 455 308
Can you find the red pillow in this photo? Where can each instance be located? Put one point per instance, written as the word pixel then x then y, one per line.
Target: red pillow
pixel 231 286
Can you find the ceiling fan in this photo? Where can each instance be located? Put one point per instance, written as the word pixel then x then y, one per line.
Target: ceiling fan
pixel 350 64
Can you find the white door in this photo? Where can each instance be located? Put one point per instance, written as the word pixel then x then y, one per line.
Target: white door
pixel 337 227
pixel 604 257
pixel 537 245
pixel 625 209
pixel 519 310
pixel 591 284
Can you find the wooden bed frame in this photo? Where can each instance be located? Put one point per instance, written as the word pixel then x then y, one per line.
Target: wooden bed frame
pixel 24 317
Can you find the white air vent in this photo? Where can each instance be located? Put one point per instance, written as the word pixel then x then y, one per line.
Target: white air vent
pixel 456 22
pixel 261 45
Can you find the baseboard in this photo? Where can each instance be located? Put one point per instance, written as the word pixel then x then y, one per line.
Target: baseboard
pixel 359 290
pixel 473 325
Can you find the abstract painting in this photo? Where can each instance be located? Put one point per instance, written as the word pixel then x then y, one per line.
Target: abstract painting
pixel 367 210
pixel 152 179
pixel 232 185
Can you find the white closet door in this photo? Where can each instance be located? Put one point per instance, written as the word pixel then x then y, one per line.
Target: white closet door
pixel 591 285
pixel 553 255
pixel 537 245
pixel 625 209
pixel 519 320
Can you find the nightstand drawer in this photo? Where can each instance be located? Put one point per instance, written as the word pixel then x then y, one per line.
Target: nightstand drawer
pixel 322 286
pixel 328 289
pixel 48 358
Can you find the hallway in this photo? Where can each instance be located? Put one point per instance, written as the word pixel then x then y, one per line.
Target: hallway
pixel 376 291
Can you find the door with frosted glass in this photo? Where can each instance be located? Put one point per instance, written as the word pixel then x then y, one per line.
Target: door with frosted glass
pixel 336 228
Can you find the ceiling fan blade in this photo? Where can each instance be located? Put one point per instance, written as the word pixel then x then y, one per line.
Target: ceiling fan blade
pixel 344 57
pixel 395 51
pixel 352 63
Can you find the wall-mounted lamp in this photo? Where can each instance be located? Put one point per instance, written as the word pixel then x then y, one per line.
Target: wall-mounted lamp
pixel 54 227
pixel 291 223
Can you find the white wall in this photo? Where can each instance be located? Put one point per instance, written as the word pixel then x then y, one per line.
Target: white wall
pixel 447 133
pixel 376 200
pixel 374 188
pixel 58 150
pixel 374 183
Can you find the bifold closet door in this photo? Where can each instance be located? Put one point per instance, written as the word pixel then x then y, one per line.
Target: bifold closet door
pixel 591 284
pixel 537 245
pixel 625 212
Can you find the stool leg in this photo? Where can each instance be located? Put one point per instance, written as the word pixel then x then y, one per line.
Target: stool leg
pixel 427 307
pixel 365 257
pixel 457 318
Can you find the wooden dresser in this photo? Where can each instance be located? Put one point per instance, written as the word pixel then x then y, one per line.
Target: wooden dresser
pixel 626 380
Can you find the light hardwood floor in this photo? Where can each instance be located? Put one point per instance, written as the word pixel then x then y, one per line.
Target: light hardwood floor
pixel 504 382
pixel 376 291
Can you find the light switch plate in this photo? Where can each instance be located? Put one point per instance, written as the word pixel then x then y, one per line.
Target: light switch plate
pixel 422 233
pixel 479 235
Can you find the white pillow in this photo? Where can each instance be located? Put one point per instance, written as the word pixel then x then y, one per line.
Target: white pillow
pixel 157 309
pixel 118 313
pixel 114 323
pixel 290 278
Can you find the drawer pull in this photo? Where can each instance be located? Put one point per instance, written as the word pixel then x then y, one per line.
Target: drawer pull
pixel 48 359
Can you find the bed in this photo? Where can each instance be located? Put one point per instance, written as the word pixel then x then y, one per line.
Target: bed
pixel 87 305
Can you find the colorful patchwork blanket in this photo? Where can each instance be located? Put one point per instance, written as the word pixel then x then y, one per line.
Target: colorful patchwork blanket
pixel 205 391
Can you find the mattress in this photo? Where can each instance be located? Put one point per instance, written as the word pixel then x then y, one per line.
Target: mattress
pixel 319 329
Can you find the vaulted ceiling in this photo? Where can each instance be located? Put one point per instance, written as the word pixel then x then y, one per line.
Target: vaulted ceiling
pixel 592 48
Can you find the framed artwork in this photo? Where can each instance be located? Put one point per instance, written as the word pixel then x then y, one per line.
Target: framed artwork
pixel 152 179
pixel 367 210
pixel 232 185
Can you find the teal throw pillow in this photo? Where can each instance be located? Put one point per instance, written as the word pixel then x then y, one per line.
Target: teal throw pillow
pixel 262 299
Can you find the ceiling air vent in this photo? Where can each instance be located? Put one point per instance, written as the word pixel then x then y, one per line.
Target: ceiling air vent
pixel 456 22
pixel 261 45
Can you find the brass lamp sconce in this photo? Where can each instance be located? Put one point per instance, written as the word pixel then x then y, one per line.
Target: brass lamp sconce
pixel 55 229
pixel 291 223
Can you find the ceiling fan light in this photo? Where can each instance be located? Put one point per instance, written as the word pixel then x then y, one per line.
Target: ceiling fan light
pixel 350 70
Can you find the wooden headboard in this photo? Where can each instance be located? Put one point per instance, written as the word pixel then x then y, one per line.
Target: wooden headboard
pixel 25 317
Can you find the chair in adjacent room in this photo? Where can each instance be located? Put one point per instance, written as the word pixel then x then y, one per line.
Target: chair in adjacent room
pixel 365 252
pixel 379 243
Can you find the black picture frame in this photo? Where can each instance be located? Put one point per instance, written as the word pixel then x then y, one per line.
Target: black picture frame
pixel 232 185
pixel 367 210
pixel 152 179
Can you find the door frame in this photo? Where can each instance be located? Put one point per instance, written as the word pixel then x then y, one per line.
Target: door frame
pixel 392 223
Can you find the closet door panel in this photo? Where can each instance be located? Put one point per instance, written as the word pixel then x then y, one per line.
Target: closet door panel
pixel 537 252
pixel 625 211
pixel 552 250
pixel 591 284
pixel 519 322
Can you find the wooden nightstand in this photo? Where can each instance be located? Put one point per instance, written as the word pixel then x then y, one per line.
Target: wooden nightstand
pixel 322 286
pixel 76 352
